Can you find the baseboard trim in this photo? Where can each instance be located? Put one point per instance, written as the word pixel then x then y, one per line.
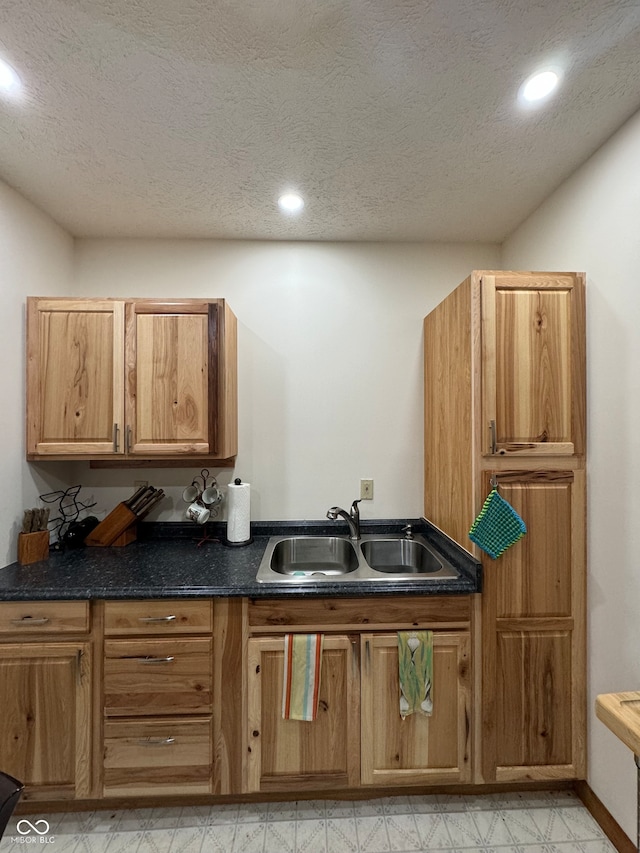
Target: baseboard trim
pixel 609 825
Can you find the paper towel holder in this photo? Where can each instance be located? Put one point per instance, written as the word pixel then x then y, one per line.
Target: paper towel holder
pixel 225 541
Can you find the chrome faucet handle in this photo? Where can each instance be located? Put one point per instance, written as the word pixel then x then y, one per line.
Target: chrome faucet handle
pixel 408 532
pixel 355 510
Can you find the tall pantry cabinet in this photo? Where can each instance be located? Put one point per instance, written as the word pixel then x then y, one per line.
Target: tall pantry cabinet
pixel 505 404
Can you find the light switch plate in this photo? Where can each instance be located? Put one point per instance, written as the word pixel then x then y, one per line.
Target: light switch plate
pixel 366 490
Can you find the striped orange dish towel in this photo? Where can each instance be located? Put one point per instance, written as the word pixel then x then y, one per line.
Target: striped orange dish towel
pixel 301 683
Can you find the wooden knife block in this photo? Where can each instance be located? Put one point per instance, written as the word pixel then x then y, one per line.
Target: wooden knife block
pixel 118 528
pixel 33 547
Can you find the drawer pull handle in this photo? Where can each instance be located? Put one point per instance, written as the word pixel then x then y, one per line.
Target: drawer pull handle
pixel 156 741
pixel 149 659
pixel 31 620
pixel 156 618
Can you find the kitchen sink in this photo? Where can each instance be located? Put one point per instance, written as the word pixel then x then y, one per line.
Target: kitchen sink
pixel 313 556
pixel 338 559
pixel 400 556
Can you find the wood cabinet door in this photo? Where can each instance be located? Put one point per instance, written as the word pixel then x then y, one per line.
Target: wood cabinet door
pixel 45 718
pixel 75 377
pixel 293 755
pixel 533 634
pixel 171 364
pixel 419 749
pixel 533 363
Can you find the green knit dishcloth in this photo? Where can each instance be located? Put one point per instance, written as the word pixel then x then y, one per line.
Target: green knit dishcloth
pixel 497 527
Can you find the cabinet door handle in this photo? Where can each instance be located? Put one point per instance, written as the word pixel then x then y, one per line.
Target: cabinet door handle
pixel 156 741
pixel 149 659
pixel 127 439
pixel 355 656
pixel 156 618
pixel 492 431
pixel 116 438
pixel 79 657
pixel 27 621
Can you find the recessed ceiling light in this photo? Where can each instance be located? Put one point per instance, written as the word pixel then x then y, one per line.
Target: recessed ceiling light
pixel 539 86
pixel 9 80
pixel 290 203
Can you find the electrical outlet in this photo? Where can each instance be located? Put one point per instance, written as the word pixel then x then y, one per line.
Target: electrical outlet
pixel 366 490
pixel 138 483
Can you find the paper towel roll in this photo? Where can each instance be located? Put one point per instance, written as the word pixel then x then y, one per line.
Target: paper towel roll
pixel 239 512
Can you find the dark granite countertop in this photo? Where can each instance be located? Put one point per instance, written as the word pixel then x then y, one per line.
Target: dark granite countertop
pixel 171 560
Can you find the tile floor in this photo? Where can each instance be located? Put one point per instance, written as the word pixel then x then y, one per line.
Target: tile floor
pixel 540 822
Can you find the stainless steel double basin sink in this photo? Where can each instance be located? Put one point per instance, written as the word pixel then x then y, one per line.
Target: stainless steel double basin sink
pixel 317 559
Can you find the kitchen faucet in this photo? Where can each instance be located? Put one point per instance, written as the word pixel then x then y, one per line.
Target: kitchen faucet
pixel 352 518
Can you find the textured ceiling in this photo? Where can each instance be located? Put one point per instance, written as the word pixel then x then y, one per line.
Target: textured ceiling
pixel 396 119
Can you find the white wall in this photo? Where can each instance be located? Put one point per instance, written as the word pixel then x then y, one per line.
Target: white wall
pixel 330 361
pixel 592 223
pixel 37 258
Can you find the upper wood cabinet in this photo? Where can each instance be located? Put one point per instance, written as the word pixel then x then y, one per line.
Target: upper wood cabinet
pixel 75 376
pixel 504 359
pixel 532 363
pixel 131 380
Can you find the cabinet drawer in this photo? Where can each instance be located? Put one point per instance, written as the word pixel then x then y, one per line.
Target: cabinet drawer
pixel 158 616
pixel 157 756
pixel 162 676
pixel 44 617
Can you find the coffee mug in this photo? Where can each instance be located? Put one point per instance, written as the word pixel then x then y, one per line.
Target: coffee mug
pixel 198 512
pixel 191 493
pixel 211 495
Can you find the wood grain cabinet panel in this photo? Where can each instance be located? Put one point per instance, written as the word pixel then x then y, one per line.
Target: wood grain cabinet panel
pixel 532 363
pixel 45 724
pixel 537 733
pixel 171 756
pixel 547 500
pixel 167 616
pixel 290 755
pixel 419 749
pixel 44 617
pixel 318 614
pixel 75 376
pixel 171 394
pixel 157 676
pixel 126 381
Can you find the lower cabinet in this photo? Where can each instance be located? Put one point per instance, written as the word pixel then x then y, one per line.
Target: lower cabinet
pixel 289 755
pixel 45 698
pixel 534 635
pixel 180 698
pixel 419 749
pixel 163 754
pixel 157 698
pixel 358 737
